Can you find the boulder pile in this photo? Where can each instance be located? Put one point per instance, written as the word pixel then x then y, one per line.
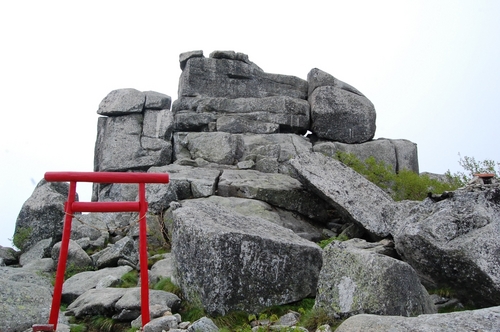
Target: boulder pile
pixel 252 191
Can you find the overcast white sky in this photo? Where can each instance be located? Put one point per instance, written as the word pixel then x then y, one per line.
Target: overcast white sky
pixel 431 68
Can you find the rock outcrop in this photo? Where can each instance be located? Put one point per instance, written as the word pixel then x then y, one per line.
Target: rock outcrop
pixel 249 191
pixel 354 281
pixel 454 243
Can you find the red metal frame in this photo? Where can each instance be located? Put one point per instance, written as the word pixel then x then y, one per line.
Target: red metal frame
pixel 71 206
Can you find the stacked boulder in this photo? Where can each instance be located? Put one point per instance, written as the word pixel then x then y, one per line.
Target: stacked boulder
pixel 249 195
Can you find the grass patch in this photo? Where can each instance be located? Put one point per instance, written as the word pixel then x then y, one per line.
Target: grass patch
pixel 21 236
pixel 130 279
pixel 324 243
pixel 166 284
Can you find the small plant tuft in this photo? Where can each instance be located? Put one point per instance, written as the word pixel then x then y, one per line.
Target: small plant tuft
pixel 129 279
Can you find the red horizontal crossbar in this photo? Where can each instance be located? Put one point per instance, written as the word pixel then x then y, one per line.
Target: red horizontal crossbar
pixel 105 207
pixel 107 177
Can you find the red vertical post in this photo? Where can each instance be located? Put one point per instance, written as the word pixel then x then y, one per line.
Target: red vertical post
pixel 143 254
pixel 63 256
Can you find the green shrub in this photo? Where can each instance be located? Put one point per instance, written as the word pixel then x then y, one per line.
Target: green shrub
pixel 21 236
pixel 471 166
pixel 403 185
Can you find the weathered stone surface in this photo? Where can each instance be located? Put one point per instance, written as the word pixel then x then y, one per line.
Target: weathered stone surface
pixel 79 283
pixel 317 78
pixel 353 196
pixel 8 255
pixel 454 243
pixel 156 100
pixel 234 78
pixel 252 207
pixel 399 154
pixel 235 262
pixel 354 280
pixel 464 321
pixel 184 57
pixel 77 257
pixel 131 300
pixel 276 189
pixel 41 216
pixel 91 225
pixel 109 257
pixel 164 268
pixel 215 147
pixel 238 124
pixel 285 114
pixel 40 250
pixel 40 265
pixel 204 324
pixel 122 101
pixel 164 323
pixel 25 299
pixel 185 182
pixel 120 145
pixel 96 302
pixel 340 115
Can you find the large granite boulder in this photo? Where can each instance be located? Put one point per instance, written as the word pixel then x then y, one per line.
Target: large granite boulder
pixel 354 197
pixel 77 257
pixel 230 261
pixel 232 75
pixel 339 112
pixel 398 154
pixel 341 115
pixel 354 281
pixel 42 215
pixel 454 243
pixel 465 321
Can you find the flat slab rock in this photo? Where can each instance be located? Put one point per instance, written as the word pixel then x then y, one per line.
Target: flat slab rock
pixel 465 321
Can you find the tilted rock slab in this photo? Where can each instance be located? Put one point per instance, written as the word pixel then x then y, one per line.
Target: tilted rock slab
pixel 354 280
pixel 464 321
pixel 228 261
pixel 398 153
pixel 353 196
pixel 454 243
pixel 231 76
pixel 276 189
pixel 41 216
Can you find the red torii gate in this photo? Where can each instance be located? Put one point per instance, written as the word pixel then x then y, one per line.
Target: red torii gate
pixel 71 206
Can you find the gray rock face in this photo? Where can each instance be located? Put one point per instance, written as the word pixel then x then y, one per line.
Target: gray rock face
pixel 81 282
pixel 121 145
pixel 243 115
pixel 235 262
pixel 185 182
pixel 25 299
pixel 464 321
pixel 40 250
pixel 165 323
pixel 77 257
pixel 235 78
pixel 122 101
pixel 41 216
pixel 276 189
pixel 340 115
pixel 354 280
pixel 354 197
pixel 215 147
pixel 8 255
pixel 399 154
pixel 163 268
pixel 454 243
pixel 204 324
pixel 284 218
pixel 316 78
pixel 122 249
